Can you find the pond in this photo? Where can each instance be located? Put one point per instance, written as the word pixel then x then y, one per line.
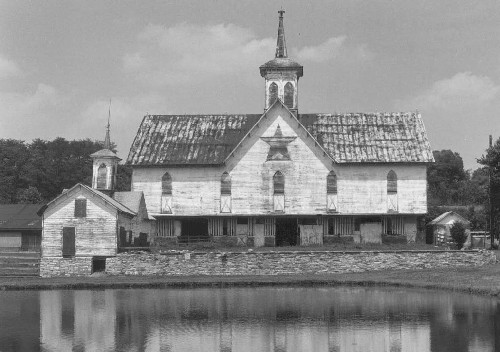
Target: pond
pixel 248 319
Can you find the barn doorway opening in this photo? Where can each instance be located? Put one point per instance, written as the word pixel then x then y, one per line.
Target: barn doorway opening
pixel 194 230
pixel 286 232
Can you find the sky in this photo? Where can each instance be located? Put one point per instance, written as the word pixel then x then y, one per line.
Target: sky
pixel 62 61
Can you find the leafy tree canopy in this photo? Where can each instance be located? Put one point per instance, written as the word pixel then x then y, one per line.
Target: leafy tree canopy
pixel 40 170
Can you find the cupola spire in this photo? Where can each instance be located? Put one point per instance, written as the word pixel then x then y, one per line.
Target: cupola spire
pixel 107 139
pixel 281 43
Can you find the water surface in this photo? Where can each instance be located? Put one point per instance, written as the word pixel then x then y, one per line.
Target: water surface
pixel 248 319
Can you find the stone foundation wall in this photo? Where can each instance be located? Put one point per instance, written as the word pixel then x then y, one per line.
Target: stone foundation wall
pixel 57 266
pixel 283 263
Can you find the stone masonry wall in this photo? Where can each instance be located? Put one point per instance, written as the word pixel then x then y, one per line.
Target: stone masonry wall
pixel 57 266
pixel 282 263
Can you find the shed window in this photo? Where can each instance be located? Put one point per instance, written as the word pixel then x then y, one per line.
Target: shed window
pixel 331 183
pixel 102 175
pixel 289 90
pixel 80 208
pixel 279 183
pixel 225 184
pixel 392 182
pixel 273 93
pixel 166 184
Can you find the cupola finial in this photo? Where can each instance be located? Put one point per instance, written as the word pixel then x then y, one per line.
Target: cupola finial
pixel 281 43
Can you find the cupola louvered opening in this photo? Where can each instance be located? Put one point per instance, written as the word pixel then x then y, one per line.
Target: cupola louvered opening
pixel 102 175
pixel 166 184
pixel 279 183
pixel 273 93
pixel 331 183
pixel 225 184
pixel 392 182
pixel 288 98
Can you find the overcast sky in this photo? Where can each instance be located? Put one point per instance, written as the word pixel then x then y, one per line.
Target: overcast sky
pixel 61 62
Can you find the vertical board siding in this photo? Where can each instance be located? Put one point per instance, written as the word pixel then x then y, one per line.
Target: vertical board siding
pixel 216 226
pixel 165 227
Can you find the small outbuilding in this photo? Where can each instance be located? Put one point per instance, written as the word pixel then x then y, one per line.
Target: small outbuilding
pixel 20 227
pixel 442 224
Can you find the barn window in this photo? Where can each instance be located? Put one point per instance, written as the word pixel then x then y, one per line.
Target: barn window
pixel 166 193
pixel 273 93
pixel 225 193
pixel 288 100
pixel 80 208
pixel 166 184
pixel 279 183
pixel 225 184
pixel 279 192
pixel 331 183
pixel 392 182
pixel 331 192
pixel 102 175
pixel 392 192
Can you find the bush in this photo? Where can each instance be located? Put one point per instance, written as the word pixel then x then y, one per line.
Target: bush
pixel 458 234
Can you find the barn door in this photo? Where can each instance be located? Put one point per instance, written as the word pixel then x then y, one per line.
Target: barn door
pixel 68 247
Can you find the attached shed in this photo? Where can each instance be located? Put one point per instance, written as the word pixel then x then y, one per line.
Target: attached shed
pixel 20 227
pixel 442 224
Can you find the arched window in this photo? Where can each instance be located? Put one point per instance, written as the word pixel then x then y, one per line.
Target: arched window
pixel 392 182
pixel 392 192
pixel 279 183
pixel 225 184
pixel 166 184
pixel 288 100
pixel 273 93
pixel 331 183
pixel 102 175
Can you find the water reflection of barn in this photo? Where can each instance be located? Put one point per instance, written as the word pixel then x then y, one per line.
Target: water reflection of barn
pixel 267 319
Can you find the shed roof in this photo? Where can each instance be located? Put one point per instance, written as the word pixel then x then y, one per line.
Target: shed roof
pixel 20 217
pixel 120 207
pixel 347 138
pixel 131 200
pixel 441 219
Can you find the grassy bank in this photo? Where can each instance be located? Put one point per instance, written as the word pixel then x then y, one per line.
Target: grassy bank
pixel 483 280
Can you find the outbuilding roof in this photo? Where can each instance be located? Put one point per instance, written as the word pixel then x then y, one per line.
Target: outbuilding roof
pixel 120 207
pixel 441 219
pixel 20 217
pixel 347 138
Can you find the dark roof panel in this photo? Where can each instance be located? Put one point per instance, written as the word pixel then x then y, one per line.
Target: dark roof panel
pixel 20 217
pixel 347 138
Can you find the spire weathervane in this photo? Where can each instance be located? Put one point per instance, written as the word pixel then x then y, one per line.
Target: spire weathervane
pixel 107 139
pixel 281 43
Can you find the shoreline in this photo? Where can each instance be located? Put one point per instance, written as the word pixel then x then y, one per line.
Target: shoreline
pixel 484 281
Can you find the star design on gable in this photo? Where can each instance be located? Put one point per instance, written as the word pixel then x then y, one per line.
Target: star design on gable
pixel 278 146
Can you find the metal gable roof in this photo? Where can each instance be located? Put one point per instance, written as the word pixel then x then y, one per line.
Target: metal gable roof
pixel 20 217
pixel 117 205
pixel 188 139
pixel 347 138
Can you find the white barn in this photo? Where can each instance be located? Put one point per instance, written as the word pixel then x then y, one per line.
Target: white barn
pixel 282 177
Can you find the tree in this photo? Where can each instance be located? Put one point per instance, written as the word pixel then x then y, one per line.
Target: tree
pixel 29 195
pixel 458 234
pixel 48 167
pixel 491 161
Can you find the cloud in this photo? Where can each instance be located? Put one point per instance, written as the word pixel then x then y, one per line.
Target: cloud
pixel 8 68
pixel 463 90
pixel 188 53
